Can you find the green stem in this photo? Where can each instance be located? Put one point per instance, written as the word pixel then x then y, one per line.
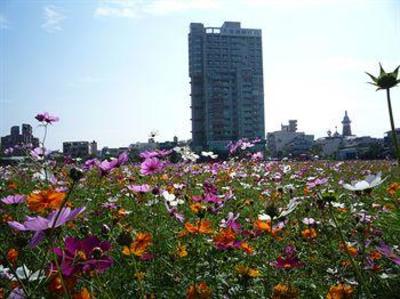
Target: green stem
pixel 10 266
pixel 356 268
pixel 394 135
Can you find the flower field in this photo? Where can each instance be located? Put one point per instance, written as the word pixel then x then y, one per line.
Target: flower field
pixel 241 228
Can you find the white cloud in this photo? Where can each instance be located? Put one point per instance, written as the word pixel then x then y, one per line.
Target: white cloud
pixel 53 17
pixel 138 8
pixel 4 24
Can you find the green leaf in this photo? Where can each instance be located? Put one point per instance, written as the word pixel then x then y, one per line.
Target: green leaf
pixel 382 71
pixel 372 77
pixel 396 72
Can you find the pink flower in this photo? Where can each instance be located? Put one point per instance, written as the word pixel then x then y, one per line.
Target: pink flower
pixel 140 188
pixel 151 166
pixel 46 118
pixel 13 199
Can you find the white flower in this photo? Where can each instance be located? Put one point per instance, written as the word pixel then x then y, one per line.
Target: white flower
pixel 4 272
pixel 171 199
pixel 338 205
pixel 369 182
pixel 264 217
pixel 209 154
pixel 293 203
pixel 309 221
pixel 24 273
pixel 186 153
pixel 168 196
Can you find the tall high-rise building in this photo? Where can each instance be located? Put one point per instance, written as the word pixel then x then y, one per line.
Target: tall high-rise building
pixel 227 87
pixel 346 122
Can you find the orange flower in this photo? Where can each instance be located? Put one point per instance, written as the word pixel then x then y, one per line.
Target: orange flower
pixel 46 199
pixel 225 239
pixel 263 225
pixel 196 207
pixel 393 188
pixel 139 246
pixel 247 272
pixel 309 233
pixel 284 291
pixel 83 294
pixel 181 251
pixel 198 291
pixel 12 255
pixel 350 249
pixel 340 291
pixel 201 227
pixel 56 285
pixel 246 247
pixel 375 255
pixel 12 185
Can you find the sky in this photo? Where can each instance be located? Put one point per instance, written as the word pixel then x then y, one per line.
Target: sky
pixel 115 70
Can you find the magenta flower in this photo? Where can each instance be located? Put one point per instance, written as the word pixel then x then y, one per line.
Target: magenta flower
pixel 149 154
pixel 288 260
pixel 151 166
pixel 173 211
pixel 106 166
pixel 84 255
pixel 387 251
pixel 91 163
pixel 140 188
pixel 231 222
pixel 46 118
pixel 13 199
pixel 40 225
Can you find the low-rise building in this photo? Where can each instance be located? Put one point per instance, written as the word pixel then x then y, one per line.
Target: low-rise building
pixel 76 149
pixel 288 141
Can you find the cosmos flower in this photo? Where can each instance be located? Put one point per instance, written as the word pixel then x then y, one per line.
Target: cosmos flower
pixel 171 199
pixel 186 153
pixel 106 166
pixel 173 211
pixel 369 182
pixel 385 80
pixel 231 222
pixel 38 153
pixel 139 246
pixel 46 118
pixel 340 291
pixel 13 199
pixel 202 226
pixel 40 225
pixel 209 154
pixel 199 291
pixel 285 291
pixel 288 260
pixel 387 251
pixel 24 273
pixel 316 182
pixel 83 256
pixel 45 199
pixel 140 188
pixel 151 166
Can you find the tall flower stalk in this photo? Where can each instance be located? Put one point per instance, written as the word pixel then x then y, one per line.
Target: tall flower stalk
pixel 386 81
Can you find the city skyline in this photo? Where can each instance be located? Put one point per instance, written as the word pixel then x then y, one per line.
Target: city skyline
pixel 123 71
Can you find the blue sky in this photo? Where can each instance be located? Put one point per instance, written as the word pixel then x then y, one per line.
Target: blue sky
pixel 114 70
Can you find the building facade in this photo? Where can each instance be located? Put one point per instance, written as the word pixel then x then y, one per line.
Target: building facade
pixel 76 149
pixel 13 144
pixel 288 141
pixel 227 88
